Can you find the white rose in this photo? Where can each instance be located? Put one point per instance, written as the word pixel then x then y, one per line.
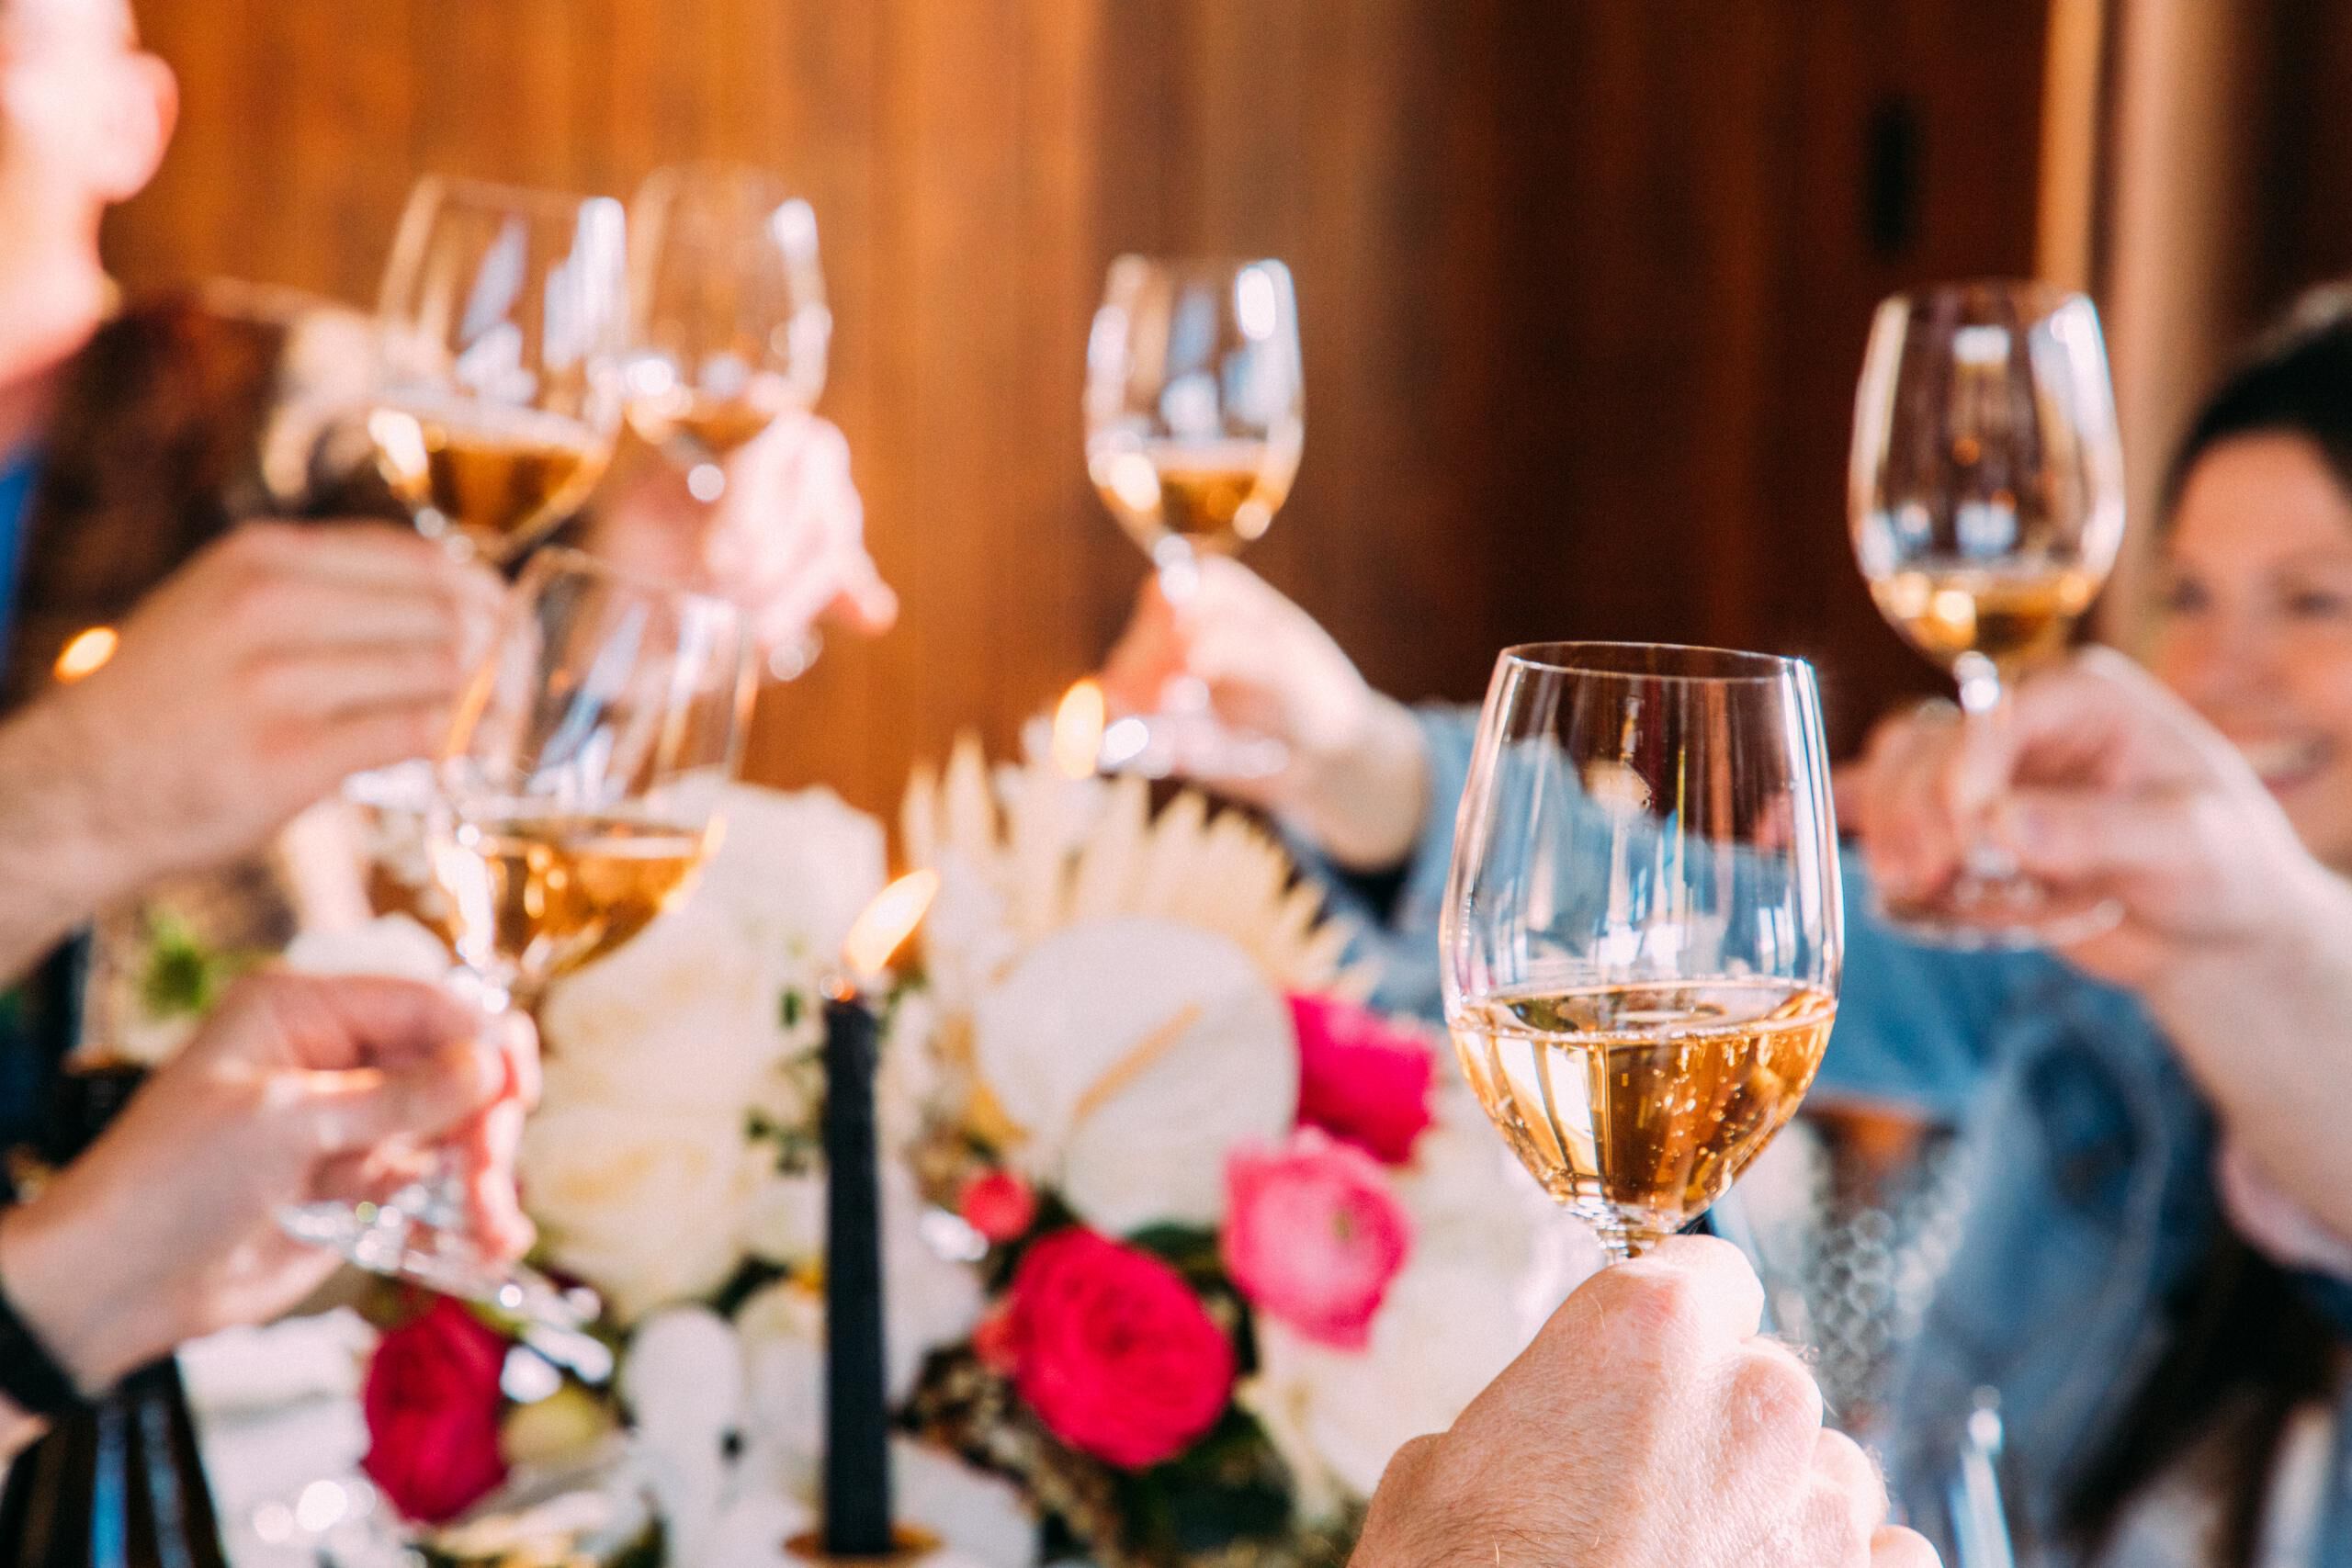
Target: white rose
pixel 802 862
pixel 647 1201
pixel 786 1222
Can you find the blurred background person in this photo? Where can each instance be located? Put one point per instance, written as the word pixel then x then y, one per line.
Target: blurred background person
pixel 2173 1331
pixel 256 671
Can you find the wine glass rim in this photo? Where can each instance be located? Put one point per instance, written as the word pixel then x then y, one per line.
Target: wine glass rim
pixel 539 198
pixel 550 558
pixel 2046 296
pixel 1201 261
pixel 729 170
pixel 1653 661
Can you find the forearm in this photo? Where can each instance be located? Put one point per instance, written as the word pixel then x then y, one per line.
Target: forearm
pixel 2265 1026
pixel 1365 807
pixel 59 861
pixel 66 1263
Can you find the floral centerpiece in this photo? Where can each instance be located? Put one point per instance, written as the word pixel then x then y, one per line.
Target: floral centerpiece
pixel 1181 1241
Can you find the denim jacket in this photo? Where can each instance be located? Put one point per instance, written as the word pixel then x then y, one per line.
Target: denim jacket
pixel 2090 1155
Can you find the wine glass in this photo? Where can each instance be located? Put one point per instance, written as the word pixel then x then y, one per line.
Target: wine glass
pixel 1642 929
pixel 1986 494
pixel 1194 418
pixel 729 327
pixel 494 416
pixel 579 794
pixel 496 402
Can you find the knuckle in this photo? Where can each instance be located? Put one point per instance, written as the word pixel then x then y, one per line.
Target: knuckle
pixel 1772 1398
pixel 1650 1302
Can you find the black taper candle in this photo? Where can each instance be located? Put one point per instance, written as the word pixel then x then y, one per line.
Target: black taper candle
pixel 858 1423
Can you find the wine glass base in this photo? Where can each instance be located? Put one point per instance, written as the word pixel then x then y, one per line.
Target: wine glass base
pixel 2008 916
pixel 397 1239
pixel 1189 745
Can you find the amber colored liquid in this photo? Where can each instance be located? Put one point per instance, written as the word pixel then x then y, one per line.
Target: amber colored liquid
pixel 2015 618
pixel 540 897
pixel 699 428
pixel 499 483
pixel 1637 1105
pixel 1216 496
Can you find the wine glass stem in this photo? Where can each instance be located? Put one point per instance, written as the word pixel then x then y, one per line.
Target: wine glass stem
pixel 1178 571
pixel 1984 704
pixel 443 1183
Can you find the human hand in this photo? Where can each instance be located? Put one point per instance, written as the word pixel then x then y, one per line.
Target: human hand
pixel 2103 784
pixel 1647 1426
pixel 277 662
pixel 786 539
pixel 298 1088
pixel 1356 781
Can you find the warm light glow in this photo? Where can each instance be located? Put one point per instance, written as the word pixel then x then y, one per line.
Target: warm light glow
pixel 1956 610
pixel 883 927
pixel 1078 730
pixel 1255 304
pixel 87 650
pixel 1135 482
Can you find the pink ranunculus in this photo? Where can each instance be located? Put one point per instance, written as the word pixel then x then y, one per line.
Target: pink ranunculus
pixel 998 1205
pixel 431 1401
pixel 1113 1351
pixel 1312 1235
pixel 1361 1078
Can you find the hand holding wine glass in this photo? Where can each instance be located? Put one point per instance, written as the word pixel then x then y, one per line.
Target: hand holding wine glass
pixel 1642 932
pixel 1987 507
pixel 497 400
pixel 1195 416
pixel 579 794
pixel 729 324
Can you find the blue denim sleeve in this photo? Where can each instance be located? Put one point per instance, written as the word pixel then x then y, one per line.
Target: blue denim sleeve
pixel 1399 940
pixel 1917 1024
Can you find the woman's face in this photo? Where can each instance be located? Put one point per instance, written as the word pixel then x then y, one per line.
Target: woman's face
pixel 2257 622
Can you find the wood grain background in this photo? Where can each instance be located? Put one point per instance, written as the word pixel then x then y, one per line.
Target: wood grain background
pixel 1583 282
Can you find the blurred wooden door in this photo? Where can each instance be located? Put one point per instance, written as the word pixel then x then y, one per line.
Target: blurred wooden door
pixel 1585 282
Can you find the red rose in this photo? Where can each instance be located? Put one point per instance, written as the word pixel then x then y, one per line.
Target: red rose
pixel 1113 1351
pixel 432 1405
pixel 1361 1078
pixel 1313 1236
pixel 998 1205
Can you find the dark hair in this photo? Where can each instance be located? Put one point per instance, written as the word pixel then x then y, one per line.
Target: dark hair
pixel 2242 1330
pixel 2295 381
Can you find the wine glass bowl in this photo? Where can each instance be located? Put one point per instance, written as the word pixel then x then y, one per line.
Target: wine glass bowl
pixel 1196 419
pixel 1642 932
pixel 581 786
pixel 1986 500
pixel 579 793
pixel 495 405
pixel 729 325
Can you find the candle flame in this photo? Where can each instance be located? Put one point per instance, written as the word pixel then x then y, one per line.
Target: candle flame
pixel 88 650
pixel 883 927
pixel 1078 730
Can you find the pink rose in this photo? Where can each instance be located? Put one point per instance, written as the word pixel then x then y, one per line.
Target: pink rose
pixel 1312 1235
pixel 1361 1078
pixel 432 1402
pixel 1113 1351
pixel 998 1205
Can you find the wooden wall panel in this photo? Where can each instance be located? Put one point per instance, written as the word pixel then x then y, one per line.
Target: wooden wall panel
pixel 1583 282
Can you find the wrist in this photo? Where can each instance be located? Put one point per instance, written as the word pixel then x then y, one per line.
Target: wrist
pixel 2299 952
pixel 1364 804
pixel 56 1266
pixel 64 858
